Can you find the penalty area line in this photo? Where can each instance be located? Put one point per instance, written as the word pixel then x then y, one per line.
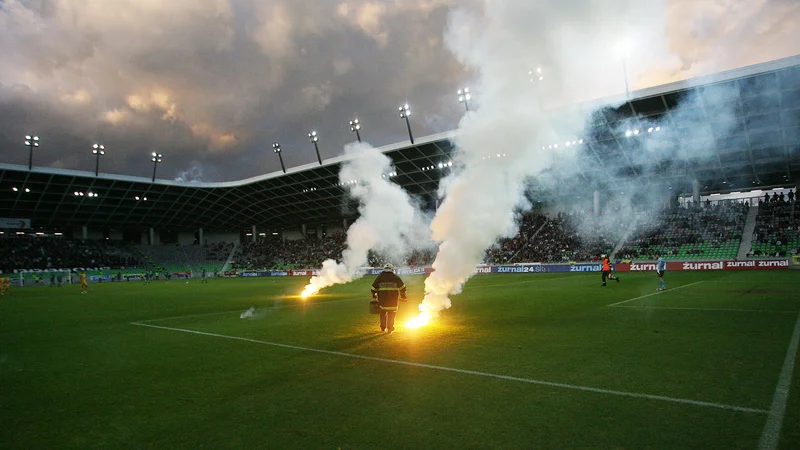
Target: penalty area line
pixel 467 372
pixel 655 293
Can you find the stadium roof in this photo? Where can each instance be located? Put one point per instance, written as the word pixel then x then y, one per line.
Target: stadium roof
pixel 734 130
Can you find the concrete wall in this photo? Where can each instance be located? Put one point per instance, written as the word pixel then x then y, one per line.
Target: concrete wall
pixel 186 238
pixel 292 234
pixel 331 228
pixel 212 237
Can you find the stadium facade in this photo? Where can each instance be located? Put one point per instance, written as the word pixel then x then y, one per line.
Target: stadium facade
pixel 734 130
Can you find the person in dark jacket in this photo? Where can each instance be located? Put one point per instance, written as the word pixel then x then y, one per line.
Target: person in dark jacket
pixel 388 290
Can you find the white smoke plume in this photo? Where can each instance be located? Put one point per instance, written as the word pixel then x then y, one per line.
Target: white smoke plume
pixel 389 221
pixel 504 142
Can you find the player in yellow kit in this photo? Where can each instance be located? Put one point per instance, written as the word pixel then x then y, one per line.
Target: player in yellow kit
pixel 84 284
pixel 5 285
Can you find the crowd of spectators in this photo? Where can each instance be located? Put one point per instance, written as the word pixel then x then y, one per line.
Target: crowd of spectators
pixel 505 249
pixel 574 236
pixel 777 231
pixel 29 252
pixel 687 231
pixel 280 254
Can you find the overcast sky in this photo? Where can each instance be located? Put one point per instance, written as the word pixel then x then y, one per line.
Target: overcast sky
pixel 212 84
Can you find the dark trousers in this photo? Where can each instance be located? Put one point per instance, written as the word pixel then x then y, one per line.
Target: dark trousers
pixel 387 319
pixel 607 274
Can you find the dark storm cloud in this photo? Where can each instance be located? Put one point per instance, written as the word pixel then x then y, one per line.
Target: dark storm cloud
pixel 212 83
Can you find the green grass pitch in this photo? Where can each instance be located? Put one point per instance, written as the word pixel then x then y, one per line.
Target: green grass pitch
pixel 519 361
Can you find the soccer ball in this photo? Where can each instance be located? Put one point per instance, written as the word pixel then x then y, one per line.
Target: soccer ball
pixel 187 282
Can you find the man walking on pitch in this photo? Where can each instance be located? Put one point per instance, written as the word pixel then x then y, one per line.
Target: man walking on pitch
pixel 387 290
pixel 607 270
pixel 661 267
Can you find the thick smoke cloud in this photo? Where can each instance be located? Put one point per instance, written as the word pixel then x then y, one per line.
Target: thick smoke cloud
pixel 569 47
pixel 389 222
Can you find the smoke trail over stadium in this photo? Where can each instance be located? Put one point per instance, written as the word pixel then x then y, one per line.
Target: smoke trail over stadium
pixel 387 222
pixel 502 143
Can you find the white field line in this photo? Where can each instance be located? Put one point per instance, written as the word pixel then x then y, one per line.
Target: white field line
pixel 707 309
pixel 522 282
pixel 770 437
pixel 469 372
pixel 655 293
pixel 218 313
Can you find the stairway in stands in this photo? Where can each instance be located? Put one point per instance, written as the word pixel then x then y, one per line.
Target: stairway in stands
pixel 747 234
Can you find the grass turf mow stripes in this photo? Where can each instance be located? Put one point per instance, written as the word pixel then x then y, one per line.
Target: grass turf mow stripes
pixel 530 360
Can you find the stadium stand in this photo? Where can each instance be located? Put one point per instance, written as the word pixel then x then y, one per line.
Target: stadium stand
pixel 186 258
pixel 506 249
pixel 573 236
pixel 689 233
pixel 777 232
pixel 28 252
pixel 286 254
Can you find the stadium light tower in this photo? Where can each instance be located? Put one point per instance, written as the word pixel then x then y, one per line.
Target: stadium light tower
pixel 355 125
pixel 535 75
pixel 98 150
pixel 31 141
pixel 276 147
pixel 405 111
pixel 624 50
pixel 464 97
pixel 156 160
pixel 314 138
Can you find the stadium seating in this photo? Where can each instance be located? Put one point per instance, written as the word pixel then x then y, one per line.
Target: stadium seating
pixel 574 236
pixel 286 254
pixel 186 258
pixel 777 231
pixel 28 252
pixel 506 249
pixel 692 233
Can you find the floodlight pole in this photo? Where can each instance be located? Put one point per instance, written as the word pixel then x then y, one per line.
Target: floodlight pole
pixel 30 142
pixel 276 147
pixel 314 138
pixel 405 111
pixel 464 97
pixel 625 75
pixel 98 150
pixel 156 159
pixel 355 125
pixel 410 136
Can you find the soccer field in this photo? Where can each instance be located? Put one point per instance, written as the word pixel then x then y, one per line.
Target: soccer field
pixel 519 361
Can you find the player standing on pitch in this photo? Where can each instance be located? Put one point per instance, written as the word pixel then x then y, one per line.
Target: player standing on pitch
pixel 661 267
pixel 607 270
pixel 388 289
pixel 84 284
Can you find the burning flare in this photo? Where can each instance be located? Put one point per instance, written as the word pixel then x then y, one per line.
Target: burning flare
pixel 424 318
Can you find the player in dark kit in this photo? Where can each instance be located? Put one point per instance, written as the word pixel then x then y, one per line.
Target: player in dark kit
pixel 388 289
pixel 607 270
